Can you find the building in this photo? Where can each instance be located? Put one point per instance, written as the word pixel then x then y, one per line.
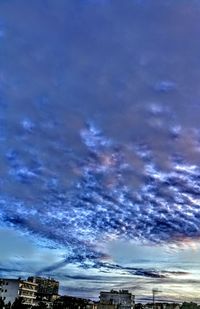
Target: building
pixel 10 289
pixel 70 302
pixel 162 306
pixel 116 300
pixel 47 288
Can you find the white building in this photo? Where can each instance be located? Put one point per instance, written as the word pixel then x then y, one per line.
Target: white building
pixel 116 299
pixel 13 288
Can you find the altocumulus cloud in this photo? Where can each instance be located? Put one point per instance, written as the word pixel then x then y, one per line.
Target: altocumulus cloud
pixel 99 132
pixel 102 205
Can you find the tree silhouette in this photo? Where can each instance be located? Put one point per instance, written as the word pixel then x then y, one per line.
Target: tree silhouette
pixel 1 303
pixel 41 305
pixel 8 305
pixel 190 305
pixel 18 304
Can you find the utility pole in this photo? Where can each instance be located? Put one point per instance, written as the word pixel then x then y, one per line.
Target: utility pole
pixel 154 292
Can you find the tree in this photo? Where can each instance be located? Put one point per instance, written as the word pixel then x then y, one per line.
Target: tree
pixel 41 305
pixel 18 304
pixel 190 305
pixel 1 303
pixel 8 305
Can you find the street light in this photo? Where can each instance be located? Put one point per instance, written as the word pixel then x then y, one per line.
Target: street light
pixel 154 292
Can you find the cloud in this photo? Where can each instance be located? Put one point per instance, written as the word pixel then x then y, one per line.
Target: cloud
pixel 163 210
pixel 104 144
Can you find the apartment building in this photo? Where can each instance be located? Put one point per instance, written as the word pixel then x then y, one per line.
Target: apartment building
pixel 47 288
pixel 121 299
pixel 10 289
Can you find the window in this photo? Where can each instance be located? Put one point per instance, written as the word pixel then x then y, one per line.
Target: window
pixel 5 291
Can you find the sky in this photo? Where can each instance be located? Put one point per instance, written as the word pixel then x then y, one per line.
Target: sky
pixel 100 145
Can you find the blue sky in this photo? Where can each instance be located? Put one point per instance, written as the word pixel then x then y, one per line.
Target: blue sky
pixel 99 157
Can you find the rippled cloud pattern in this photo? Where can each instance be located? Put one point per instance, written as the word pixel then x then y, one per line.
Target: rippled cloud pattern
pixel 99 129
